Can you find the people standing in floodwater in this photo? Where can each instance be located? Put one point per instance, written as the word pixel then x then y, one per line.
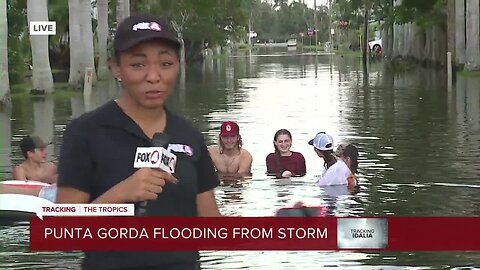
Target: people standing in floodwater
pixel 284 162
pixel 348 153
pixel 228 155
pixel 336 170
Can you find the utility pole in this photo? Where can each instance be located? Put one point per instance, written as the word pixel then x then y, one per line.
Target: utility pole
pixel 250 30
pixel 365 32
pixel 330 23
pixel 366 17
pixel 315 21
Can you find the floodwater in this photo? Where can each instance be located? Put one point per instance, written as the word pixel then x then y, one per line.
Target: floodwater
pixel 419 148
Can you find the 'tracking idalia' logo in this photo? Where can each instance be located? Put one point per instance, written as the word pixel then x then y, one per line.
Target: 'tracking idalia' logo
pixel 362 233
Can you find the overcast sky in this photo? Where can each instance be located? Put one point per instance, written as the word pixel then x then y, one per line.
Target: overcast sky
pixel 308 2
pixel 319 2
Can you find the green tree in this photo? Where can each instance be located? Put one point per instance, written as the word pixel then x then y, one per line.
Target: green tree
pixel 282 20
pixel 199 22
pixel 58 44
pixel 19 53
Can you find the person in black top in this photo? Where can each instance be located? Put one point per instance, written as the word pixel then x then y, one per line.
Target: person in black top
pixel 97 155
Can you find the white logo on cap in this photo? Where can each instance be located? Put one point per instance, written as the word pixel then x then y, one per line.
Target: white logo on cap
pixel 147 26
pixel 228 128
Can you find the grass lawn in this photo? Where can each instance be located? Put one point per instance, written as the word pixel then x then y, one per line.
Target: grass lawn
pixel 62 90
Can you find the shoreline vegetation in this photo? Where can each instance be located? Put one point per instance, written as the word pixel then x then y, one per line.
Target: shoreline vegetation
pixel 467 73
pixel 24 90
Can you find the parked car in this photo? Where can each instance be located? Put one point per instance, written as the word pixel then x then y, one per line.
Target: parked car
pixel 375 45
pixel 292 42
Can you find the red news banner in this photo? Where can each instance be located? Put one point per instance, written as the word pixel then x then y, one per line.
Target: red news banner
pixel 179 233
pixel 87 228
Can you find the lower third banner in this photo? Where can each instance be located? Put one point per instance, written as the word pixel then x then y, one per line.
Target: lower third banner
pixel 255 233
pixel 179 233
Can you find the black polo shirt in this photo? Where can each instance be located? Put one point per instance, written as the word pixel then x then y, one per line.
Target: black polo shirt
pixel 98 152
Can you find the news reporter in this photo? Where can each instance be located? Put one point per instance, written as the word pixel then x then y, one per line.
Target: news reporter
pixel 97 156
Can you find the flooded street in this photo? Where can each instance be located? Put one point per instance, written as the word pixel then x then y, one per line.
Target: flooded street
pixel 419 148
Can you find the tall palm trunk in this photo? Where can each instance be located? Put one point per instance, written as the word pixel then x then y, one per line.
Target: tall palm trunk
pixel 81 41
pixel 86 35
pixel 102 37
pixel 451 27
pixel 75 43
pixel 123 10
pixel 41 72
pixel 460 32
pixel 4 82
pixel 472 48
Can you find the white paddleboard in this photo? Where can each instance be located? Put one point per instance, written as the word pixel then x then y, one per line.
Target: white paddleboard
pixel 19 206
pixel 25 183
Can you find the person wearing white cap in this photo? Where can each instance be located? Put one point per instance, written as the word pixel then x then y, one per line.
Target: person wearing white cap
pixel 336 170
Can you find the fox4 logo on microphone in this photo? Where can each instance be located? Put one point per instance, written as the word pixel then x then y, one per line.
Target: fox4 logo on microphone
pixel 155 157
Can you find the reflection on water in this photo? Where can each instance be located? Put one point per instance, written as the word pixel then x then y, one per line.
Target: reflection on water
pixel 419 142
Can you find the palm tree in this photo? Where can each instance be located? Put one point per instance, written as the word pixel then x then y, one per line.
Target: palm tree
pixel 86 35
pixel 123 10
pixel 4 82
pixel 81 41
pixel 472 52
pixel 460 32
pixel 102 37
pixel 75 44
pixel 37 10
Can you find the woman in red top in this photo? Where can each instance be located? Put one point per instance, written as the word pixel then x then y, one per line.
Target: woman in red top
pixel 285 163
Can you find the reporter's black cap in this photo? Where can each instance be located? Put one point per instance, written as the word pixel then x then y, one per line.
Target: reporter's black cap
pixel 139 28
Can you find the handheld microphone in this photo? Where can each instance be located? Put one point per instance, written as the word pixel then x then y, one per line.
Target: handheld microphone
pixel 155 157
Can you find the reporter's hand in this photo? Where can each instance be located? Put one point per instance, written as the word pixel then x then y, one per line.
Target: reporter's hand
pixel 298 204
pixel 145 184
pixel 286 174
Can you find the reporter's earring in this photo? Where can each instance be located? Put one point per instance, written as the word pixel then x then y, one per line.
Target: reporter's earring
pixel 119 79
